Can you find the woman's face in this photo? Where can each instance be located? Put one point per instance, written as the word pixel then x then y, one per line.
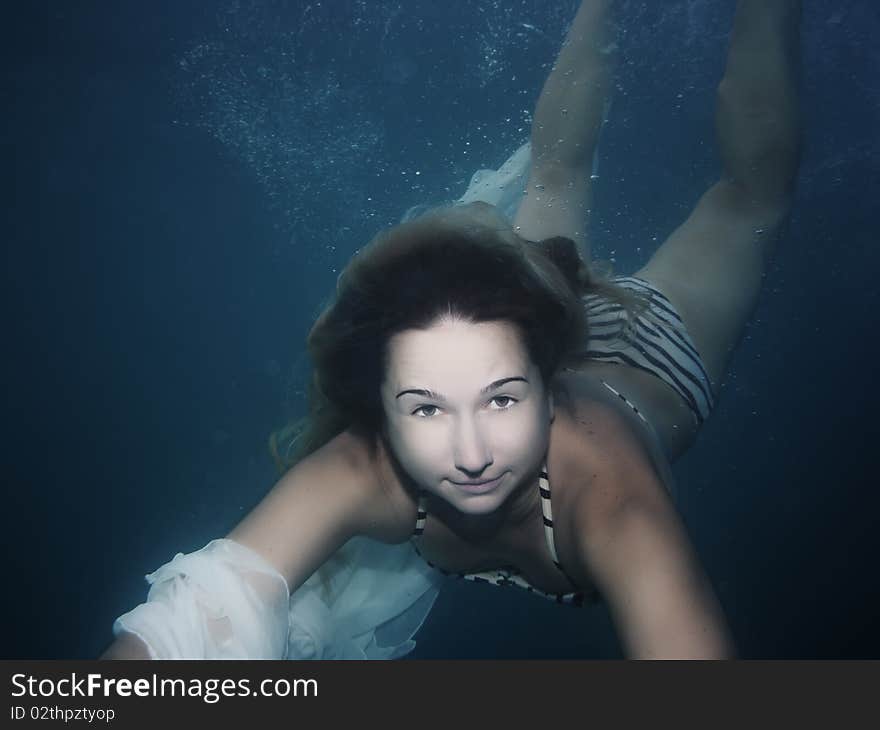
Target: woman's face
pixel 467 413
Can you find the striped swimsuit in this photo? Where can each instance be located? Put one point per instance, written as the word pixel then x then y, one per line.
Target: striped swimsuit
pixel 657 343
pixel 510 576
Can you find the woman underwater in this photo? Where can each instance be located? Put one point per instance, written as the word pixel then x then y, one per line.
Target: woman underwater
pixel 484 404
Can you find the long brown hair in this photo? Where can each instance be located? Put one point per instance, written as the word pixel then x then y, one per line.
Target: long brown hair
pixel 463 260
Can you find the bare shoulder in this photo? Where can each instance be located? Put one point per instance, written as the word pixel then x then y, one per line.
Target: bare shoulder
pixel 596 422
pixel 330 496
pixel 599 461
pixel 389 510
pixel 593 431
pixel 621 532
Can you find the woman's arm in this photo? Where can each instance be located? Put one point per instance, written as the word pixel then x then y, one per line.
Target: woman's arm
pixel 321 503
pixel 631 541
pixel 659 598
pixel 329 497
pixel 565 131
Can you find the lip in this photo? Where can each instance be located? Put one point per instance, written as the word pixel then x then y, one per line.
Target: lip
pixel 478 487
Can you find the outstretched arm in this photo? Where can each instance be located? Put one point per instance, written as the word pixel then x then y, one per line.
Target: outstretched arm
pixel 659 598
pixel 565 131
pixel 327 498
pixel 631 542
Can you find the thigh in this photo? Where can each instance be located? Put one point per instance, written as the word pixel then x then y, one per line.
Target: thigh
pixel 556 203
pixel 711 270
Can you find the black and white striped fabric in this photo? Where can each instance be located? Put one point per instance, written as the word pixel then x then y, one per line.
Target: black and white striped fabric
pixel 656 342
pixel 510 575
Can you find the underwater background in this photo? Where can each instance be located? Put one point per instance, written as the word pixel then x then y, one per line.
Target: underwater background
pixel 185 181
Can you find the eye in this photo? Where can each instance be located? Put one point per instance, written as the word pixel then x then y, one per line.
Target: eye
pixel 503 402
pixel 425 411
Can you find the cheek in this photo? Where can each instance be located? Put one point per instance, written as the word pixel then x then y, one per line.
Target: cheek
pixel 528 423
pixel 416 447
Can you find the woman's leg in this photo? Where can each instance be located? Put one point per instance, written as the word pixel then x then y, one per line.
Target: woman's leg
pixel 711 268
pixel 565 131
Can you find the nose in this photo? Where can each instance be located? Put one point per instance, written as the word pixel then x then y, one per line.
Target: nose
pixel 471 450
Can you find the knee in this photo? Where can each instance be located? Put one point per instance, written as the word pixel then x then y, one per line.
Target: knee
pixel 759 138
pixel 759 208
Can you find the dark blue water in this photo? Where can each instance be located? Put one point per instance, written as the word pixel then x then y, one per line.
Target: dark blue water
pixel 185 182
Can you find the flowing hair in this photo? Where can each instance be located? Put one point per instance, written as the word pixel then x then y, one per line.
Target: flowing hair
pixel 463 260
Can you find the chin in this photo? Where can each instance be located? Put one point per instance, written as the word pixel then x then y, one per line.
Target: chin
pixel 481 505
pixel 476 504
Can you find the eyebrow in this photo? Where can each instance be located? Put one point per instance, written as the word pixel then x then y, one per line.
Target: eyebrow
pixel 436 396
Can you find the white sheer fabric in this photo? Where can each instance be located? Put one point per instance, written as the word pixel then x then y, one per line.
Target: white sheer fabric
pixel 227 602
pixel 504 187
